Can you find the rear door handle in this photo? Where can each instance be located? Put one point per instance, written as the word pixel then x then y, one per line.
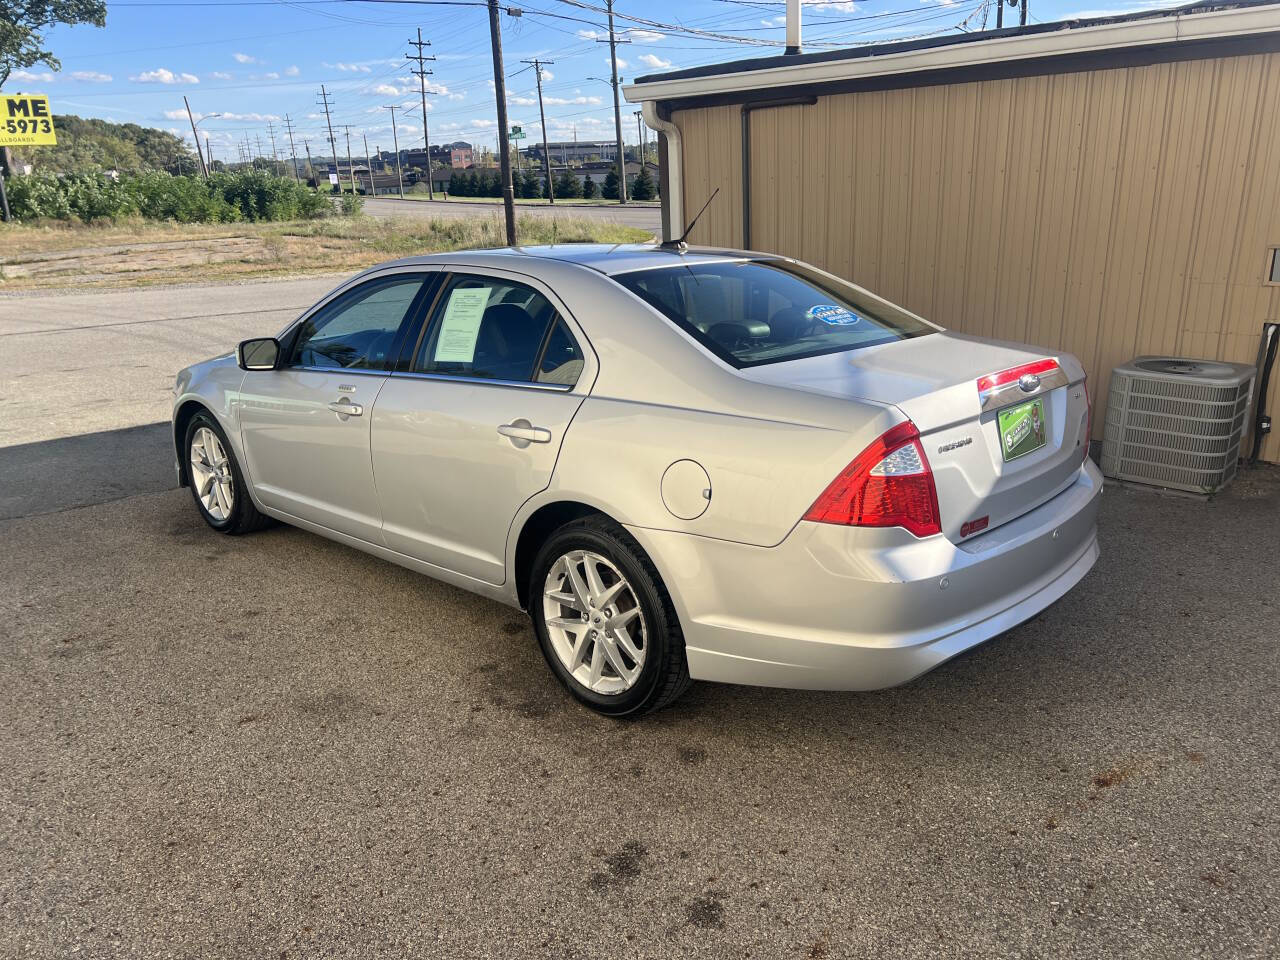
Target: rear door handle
pixel 522 433
pixel 345 408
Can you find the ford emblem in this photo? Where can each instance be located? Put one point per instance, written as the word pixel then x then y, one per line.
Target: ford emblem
pixel 1029 383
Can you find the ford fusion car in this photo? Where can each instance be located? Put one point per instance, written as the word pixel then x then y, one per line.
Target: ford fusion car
pixel 684 463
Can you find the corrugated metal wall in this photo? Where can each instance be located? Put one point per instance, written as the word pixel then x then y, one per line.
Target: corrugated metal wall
pixel 1109 213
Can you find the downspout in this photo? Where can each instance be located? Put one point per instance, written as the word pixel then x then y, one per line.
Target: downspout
pixel 671 157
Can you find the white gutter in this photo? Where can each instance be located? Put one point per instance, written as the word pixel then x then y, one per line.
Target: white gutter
pixel 1108 36
pixel 673 196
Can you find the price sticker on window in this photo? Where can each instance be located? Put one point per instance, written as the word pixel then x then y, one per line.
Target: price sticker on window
pixel 26 121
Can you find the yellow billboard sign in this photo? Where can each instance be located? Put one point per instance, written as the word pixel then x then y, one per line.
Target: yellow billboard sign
pixel 25 121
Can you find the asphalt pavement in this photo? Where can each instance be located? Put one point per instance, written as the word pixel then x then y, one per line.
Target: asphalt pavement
pixel 275 746
pixel 631 215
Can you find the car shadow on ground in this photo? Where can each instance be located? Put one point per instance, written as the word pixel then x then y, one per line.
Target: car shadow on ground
pixel 79 471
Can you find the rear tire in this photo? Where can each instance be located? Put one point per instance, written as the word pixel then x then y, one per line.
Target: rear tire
pixel 216 480
pixel 605 621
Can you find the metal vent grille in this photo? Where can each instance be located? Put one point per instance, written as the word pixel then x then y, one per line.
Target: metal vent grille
pixel 1175 422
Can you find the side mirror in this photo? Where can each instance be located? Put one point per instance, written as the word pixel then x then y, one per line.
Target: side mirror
pixel 258 354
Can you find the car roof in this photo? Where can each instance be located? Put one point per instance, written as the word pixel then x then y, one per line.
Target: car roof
pixel 606 258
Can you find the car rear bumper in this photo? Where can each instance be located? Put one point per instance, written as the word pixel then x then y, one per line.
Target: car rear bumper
pixel 840 608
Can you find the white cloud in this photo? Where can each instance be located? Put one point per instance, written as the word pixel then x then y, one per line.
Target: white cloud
pixel 292 71
pixel 547 75
pixel 782 20
pixel 649 60
pixel 244 58
pixel 161 75
pixel 565 101
pixel 350 67
pixel 592 35
pixel 844 6
pixel 483 124
pixel 30 77
pixel 387 90
pixel 645 36
pixel 92 76
pixel 267 76
pixel 622 64
pixel 219 75
pixel 245 117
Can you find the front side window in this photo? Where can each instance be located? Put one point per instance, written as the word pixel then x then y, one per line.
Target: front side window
pixel 766 311
pixel 497 329
pixel 358 330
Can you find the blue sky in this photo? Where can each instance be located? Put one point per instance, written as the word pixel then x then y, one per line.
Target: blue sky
pixel 256 61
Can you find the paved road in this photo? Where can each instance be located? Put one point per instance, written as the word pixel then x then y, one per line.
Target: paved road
pixel 276 746
pixel 646 218
pixel 81 363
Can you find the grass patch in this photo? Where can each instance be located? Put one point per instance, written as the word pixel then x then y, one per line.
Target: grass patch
pixel 134 252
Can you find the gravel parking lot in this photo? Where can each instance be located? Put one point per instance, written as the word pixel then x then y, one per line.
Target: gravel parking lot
pixel 275 746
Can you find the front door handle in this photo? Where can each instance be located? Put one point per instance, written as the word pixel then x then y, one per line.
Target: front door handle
pixel 345 408
pixel 522 433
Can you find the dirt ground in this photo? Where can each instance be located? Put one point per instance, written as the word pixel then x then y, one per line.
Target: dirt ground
pixel 65 257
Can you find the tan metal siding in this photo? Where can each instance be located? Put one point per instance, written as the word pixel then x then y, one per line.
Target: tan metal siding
pixel 1108 213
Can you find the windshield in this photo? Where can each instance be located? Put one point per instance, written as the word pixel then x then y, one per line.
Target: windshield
pixel 766 311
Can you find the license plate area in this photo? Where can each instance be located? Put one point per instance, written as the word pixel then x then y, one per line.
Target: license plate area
pixel 1022 429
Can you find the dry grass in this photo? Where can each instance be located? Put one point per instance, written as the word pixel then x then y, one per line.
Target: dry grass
pixel 140 252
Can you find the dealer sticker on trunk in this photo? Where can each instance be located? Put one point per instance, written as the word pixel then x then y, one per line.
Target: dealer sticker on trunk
pixel 1021 429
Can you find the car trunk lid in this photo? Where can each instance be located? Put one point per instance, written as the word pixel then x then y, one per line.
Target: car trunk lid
pixel 935 381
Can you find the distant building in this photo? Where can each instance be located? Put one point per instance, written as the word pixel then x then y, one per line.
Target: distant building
pixel 573 152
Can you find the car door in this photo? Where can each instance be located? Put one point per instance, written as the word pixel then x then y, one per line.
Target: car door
pixel 304 426
pixel 470 428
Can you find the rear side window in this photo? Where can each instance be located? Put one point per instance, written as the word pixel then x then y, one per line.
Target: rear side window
pixel 765 311
pixel 491 328
pixel 562 359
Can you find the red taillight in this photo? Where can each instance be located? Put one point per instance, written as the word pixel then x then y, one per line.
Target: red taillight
pixel 1014 374
pixel 889 484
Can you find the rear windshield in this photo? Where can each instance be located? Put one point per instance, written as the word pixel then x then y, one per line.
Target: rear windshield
pixel 766 311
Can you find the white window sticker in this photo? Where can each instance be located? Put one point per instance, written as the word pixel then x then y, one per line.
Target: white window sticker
pixel 461 325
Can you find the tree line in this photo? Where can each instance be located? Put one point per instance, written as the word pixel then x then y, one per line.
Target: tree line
pixel 528 185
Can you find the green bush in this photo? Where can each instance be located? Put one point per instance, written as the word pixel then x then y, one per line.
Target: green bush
pixel 353 203
pixel 250 195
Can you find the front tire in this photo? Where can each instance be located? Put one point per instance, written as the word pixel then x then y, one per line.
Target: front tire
pixel 605 621
pixel 216 481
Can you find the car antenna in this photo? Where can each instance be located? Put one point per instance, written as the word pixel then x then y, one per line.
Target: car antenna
pixel 679 244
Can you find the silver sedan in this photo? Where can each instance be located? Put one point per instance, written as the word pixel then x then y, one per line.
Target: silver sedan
pixel 685 464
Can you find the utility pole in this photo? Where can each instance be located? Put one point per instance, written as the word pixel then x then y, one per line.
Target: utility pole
pixel 275 154
pixel 208 152
pixel 395 141
pixel 504 152
pixel 617 107
pixel 1022 16
pixel 307 144
pixel 293 153
pixel 351 170
pixel 422 73
pixel 546 150
pixel 258 140
pixel 640 135
pixel 369 163
pixel 333 144
pixel 196 137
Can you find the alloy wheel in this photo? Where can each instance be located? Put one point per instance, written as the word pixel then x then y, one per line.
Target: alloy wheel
pixel 594 622
pixel 211 474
